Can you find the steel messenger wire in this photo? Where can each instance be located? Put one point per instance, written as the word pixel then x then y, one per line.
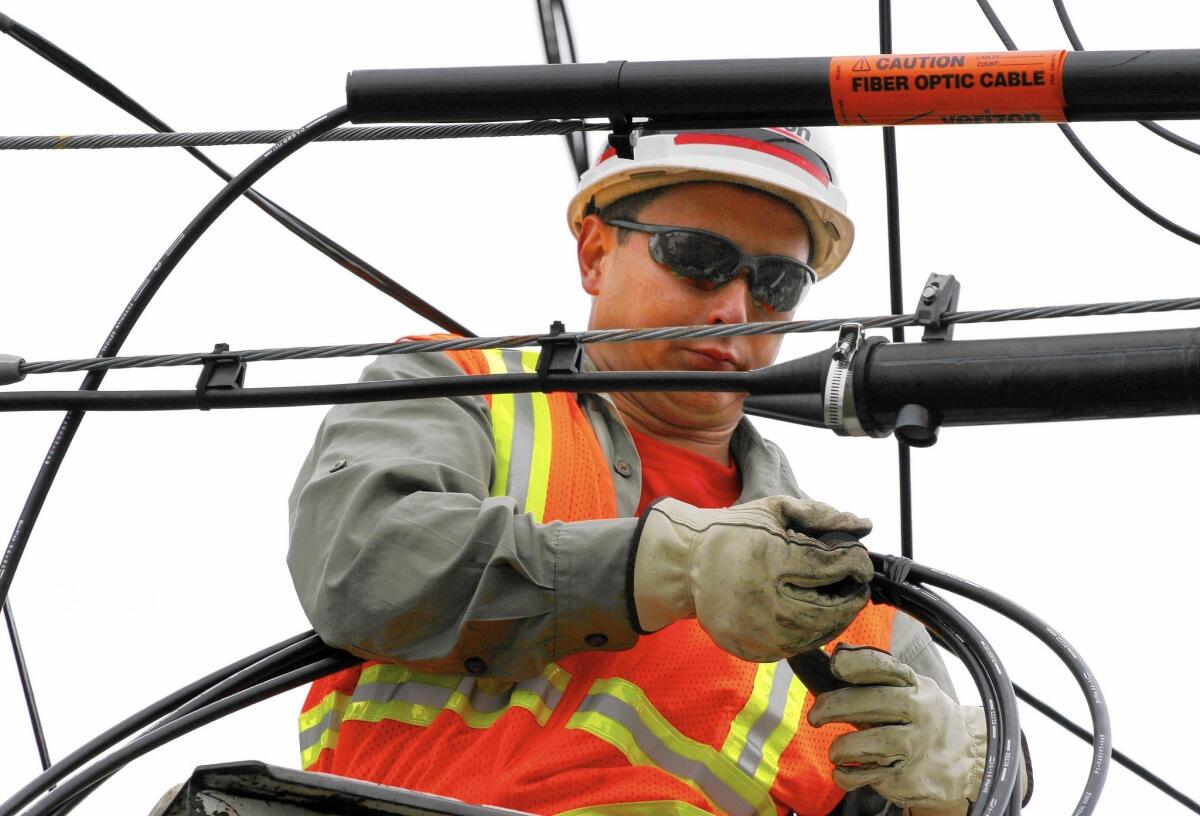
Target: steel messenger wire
pixel 606 336
pixel 1060 7
pixel 539 127
pixel 306 232
pixel 1085 154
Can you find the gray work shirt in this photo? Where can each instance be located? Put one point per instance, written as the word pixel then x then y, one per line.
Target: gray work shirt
pixel 399 552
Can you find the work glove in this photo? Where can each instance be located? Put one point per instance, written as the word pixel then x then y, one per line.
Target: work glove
pixel 753 575
pixel 917 747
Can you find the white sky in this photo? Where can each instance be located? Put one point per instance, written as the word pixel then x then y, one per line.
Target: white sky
pixel 159 555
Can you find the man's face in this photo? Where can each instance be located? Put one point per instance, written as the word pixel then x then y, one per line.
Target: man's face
pixel 631 290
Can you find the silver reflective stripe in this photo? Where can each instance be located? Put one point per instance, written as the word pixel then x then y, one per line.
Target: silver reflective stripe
pixel 542 687
pixel 661 755
pixel 486 703
pixel 522 443
pixel 312 735
pixel 777 700
pixel 410 692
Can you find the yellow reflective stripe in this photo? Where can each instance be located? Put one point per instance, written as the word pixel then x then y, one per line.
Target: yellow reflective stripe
pixel 739 729
pixel 503 413
pixel 389 692
pixel 783 734
pixel 663 807
pixel 319 726
pixel 619 713
pixel 767 722
pixel 543 436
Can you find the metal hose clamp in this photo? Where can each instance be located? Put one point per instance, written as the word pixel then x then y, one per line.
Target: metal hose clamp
pixel 839 384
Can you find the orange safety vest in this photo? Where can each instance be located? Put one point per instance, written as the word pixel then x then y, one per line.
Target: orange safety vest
pixel 673 726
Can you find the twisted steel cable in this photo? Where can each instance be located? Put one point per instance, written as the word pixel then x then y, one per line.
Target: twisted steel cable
pixel 540 127
pixel 608 336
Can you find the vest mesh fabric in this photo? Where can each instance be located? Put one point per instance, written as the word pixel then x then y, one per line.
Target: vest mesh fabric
pixel 680 684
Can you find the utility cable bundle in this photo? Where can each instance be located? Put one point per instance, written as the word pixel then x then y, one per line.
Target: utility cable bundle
pixel 304 658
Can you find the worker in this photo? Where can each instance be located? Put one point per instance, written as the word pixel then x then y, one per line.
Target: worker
pixel 584 603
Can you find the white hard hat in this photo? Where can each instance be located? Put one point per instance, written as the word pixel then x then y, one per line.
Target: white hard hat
pixel 794 163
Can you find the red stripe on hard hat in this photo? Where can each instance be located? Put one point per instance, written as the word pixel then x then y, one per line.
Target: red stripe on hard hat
pixel 762 147
pixel 608 153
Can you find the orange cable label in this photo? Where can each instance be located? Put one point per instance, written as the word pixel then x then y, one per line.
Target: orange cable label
pixel 916 89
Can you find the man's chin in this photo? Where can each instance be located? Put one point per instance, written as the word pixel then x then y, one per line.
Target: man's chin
pixel 703 409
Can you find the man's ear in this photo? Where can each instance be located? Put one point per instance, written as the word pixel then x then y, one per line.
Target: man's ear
pixel 594 245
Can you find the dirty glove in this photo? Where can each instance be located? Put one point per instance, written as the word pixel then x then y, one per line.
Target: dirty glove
pixel 918 748
pixel 758 586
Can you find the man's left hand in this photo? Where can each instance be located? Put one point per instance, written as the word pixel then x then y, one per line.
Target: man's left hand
pixel 917 747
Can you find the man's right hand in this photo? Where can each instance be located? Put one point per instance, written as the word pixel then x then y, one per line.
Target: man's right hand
pixel 754 575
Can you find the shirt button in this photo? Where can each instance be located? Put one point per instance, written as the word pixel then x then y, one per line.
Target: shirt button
pixel 475 665
pixel 623 467
pixel 596 640
pixel 338 465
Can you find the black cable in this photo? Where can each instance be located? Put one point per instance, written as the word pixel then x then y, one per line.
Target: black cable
pixel 309 234
pixel 896 283
pixel 1101 724
pixel 550 13
pixel 1092 162
pixel 374 390
pixel 110 764
pixel 1122 759
pixel 1060 7
pixel 133 310
pixel 998 787
pixel 132 724
pixel 292 656
pixel 35 719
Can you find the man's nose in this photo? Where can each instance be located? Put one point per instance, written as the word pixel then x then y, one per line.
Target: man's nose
pixel 731 302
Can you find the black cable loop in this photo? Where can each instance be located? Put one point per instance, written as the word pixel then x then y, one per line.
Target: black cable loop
pixel 1092 162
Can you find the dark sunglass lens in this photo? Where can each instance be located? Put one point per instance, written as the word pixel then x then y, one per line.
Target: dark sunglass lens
pixel 780 283
pixel 705 258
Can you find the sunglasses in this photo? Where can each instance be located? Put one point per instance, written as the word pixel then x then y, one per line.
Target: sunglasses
pixel 708 261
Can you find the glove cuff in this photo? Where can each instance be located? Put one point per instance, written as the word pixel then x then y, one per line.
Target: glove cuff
pixel 976 723
pixel 661 559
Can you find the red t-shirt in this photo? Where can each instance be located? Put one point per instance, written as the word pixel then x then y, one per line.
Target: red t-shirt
pixel 669 470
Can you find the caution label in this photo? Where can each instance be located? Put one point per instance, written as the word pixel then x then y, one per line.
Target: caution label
pixel 948 89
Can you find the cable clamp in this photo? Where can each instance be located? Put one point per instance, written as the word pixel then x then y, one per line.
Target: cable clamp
pixel 939 296
pixel 624 135
pixel 221 372
pixel 839 383
pixel 561 354
pixel 10 369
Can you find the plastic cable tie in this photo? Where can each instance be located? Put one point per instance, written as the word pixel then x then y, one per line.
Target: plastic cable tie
pixel 898 568
pixel 10 369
